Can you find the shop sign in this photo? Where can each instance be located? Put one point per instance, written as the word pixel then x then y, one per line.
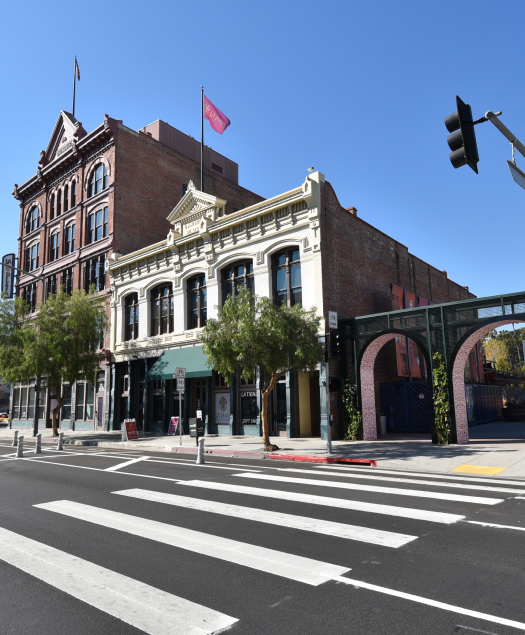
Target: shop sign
pixel 8 262
pixel 222 407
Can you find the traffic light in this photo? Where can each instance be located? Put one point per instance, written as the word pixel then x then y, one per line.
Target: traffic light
pixel 462 141
pixel 335 344
pixel 334 384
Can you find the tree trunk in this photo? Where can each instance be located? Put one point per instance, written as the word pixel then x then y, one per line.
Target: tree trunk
pixel 60 402
pixel 268 447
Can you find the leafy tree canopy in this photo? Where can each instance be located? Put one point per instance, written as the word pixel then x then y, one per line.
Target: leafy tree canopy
pixel 252 332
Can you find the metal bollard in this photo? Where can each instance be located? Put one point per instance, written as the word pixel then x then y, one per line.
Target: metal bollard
pixel 20 448
pixel 60 444
pixel 200 452
pixel 38 445
pixel 15 439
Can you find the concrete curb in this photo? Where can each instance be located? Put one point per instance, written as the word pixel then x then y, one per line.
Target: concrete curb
pixel 239 454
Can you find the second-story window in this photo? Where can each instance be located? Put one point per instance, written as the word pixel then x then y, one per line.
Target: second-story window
pixel 95 273
pixel 162 309
pixel 73 193
pixel 33 220
pixel 97 225
pixel 52 207
pixel 54 246
pixel 32 257
pixel 286 273
pixel 29 296
pixel 235 277
pixel 66 198
pixel 69 245
pixel 98 180
pixel 197 302
pixel 132 317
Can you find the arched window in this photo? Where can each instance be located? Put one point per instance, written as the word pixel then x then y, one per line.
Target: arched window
pixel 69 245
pixel 132 317
pixel 54 246
pixel 162 309
pixel 52 208
pixel 73 193
pixel 197 301
pixel 66 198
pixel 98 180
pixel 97 226
pixel 59 202
pixel 32 257
pixel 33 220
pixel 235 277
pixel 286 273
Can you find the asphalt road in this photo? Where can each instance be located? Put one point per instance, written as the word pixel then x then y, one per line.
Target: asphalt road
pixel 120 542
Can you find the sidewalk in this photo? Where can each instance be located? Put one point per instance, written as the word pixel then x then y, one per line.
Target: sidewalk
pixel 496 449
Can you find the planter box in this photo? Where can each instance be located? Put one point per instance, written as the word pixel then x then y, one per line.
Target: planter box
pixel 513 414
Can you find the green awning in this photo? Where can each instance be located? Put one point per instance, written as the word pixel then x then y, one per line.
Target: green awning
pixel 192 358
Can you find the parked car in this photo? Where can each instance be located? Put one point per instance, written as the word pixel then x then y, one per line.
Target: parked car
pixel 4 418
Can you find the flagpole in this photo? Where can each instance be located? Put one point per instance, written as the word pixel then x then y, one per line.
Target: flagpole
pixel 74 83
pixel 202 138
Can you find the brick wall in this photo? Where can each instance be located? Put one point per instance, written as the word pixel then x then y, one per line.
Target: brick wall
pixel 359 262
pixel 149 181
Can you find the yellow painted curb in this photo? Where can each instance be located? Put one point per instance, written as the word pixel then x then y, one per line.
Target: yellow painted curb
pixel 478 469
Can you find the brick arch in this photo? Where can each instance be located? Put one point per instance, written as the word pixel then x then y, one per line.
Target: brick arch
pixel 366 375
pixel 460 433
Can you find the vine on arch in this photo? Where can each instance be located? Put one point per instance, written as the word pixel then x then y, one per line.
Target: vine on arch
pixel 441 402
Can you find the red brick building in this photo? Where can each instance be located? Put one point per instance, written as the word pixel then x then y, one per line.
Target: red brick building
pixel 98 194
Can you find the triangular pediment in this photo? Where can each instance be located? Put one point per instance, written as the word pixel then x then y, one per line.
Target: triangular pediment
pixel 194 202
pixel 67 130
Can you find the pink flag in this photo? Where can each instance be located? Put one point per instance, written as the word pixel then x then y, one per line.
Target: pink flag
pixel 218 121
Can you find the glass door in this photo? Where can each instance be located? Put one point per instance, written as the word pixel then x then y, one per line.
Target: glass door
pixel 278 409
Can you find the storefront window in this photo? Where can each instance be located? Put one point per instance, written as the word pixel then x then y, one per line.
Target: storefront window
pixel 66 408
pixel 80 402
pixel 23 404
pixel 16 403
pixel 31 404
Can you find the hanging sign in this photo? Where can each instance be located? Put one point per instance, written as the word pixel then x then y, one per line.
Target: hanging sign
pixel 8 262
pixel 174 425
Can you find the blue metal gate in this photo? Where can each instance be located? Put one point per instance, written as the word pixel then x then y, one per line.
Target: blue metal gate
pixel 406 405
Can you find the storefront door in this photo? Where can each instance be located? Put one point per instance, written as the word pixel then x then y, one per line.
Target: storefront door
pixel 199 397
pixel 278 409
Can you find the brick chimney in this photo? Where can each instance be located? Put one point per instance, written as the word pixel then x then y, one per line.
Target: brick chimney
pixel 352 210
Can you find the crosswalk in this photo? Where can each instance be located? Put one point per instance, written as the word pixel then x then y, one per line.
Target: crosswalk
pixel 251 497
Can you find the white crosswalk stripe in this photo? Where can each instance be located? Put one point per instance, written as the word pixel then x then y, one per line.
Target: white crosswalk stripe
pixel 324 527
pixel 279 563
pixel 373 488
pixel 339 503
pixel 143 606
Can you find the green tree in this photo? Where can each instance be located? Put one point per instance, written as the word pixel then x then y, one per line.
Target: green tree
pixel 253 332
pixel 505 348
pixel 441 403
pixel 59 344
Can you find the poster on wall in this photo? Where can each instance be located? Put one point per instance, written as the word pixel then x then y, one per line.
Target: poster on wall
pixel 397 297
pixel 222 408
pixel 410 299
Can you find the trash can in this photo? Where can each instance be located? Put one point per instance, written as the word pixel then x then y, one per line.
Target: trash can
pixel 382 423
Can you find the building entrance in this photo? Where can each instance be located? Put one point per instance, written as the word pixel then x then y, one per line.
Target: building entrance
pixel 278 409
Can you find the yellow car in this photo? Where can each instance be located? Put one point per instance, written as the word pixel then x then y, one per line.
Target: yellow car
pixel 4 417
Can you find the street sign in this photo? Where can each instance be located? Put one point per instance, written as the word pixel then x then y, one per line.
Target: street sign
pixel 179 372
pixel 8 262
pixel 332 319
pixel 517 174
pixel 180 384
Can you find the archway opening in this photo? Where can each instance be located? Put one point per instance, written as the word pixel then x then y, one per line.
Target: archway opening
pixel 396 380
pixel 459 406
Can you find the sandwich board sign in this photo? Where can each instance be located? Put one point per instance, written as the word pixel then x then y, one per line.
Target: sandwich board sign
pixel 130 430
pixel 174 424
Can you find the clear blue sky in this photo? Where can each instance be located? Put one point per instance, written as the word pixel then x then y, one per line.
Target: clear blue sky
pixel 359 90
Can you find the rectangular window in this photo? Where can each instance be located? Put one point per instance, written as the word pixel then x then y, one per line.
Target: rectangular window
pixel 66 198
pixel 66 408
pixel 54 247
pixel 73 194
pixel 31 403
pixel 59 202
pixel 70 239
pixel 42 398
pixel 23 404
pixel 90 400
pixel 79 412
pixel 16 403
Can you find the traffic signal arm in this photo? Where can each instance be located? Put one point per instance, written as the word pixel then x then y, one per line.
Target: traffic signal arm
pixel 494 118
